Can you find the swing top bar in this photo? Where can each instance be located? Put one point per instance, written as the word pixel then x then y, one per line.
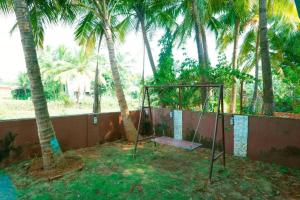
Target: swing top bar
pixel 176 86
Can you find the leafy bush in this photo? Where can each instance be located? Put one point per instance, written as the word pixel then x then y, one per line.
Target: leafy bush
pixel 21 94
pixel 53 89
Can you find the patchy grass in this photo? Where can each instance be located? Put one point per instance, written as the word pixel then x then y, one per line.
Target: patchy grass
pixel 163 172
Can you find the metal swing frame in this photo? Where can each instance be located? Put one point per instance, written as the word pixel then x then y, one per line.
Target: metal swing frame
pixel 219 118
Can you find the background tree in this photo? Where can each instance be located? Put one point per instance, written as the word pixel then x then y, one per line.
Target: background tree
pixel 103 15
pixel 139 12
pixel 268 96
pixel 235 17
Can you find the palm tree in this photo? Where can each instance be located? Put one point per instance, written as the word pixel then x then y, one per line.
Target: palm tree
pixel 199 39
pixel 283 24
pixel 255 87
pixel 97 101
pixel 65 66
pixel 102 16
pixel 138 11
pixel 268 96
pixel 49 145
pixel 235 15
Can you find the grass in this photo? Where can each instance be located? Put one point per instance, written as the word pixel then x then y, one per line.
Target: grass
pixel 16 109
pixel 164 172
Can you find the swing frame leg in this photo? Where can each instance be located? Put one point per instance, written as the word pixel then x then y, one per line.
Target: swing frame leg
pixel 218 115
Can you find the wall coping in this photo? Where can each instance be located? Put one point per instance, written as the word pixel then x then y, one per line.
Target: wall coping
pixel 61 116
pixel 116 112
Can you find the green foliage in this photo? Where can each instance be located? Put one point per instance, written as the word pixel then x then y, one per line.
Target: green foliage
pixel 224 73
pixel 165 74
pixel 189 72
pixel 21 94
pixel 52 88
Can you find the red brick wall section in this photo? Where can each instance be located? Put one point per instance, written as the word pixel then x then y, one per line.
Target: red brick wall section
pixel 72 131
pixel 27 136
pixel 274 140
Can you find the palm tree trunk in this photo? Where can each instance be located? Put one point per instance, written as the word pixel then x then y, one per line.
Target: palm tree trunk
pixel 146 41
pixel 205 48
pixel 255 89
pixel 96 91
pixel 96 104
pixel 198 36
pixel 130 130
pixel 234 65
pixel 241 96
pixel 200 50
pixel 268 97
pixel 49 145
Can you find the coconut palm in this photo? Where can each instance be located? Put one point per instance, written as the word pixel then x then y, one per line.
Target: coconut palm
pixel 138 11
pixel 268 96
pixel 97 102
pixel 235 17
pixel 283 23
pixel 194 17
pixel 40 13
pixel 102 16
pixel 49 145
pixel 66 66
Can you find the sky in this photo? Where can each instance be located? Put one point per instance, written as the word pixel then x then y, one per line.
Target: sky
pixel 12 57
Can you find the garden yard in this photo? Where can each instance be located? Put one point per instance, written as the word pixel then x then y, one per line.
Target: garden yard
pixel 162 172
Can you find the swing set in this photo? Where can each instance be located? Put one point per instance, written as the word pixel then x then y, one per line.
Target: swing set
pixel 148 112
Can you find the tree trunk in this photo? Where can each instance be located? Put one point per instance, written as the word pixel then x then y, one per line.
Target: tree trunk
pixel 255 89
pixel 96 104
pixel 200 51
pixel 241 96
pixel 198 36
pixel 205 48
pixel 49 144
pixel 234 65
pixel 146 41
pixel 130 130
pixel 96 91
pixel 268 97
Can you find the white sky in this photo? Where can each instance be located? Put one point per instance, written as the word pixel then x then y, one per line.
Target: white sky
pixel 12 58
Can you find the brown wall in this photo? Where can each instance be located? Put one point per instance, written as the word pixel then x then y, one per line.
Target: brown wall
pixel 73 132
pixel 270 139
pixel 274 140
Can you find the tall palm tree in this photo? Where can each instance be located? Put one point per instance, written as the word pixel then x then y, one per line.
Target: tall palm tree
pixel 234 16
pixel 255 87
pixel 148 15
pixel 268 96
pixel 102 16
pixel 190 19
pixel 49 145
pixel 283 23
pixel 198 36
pixel 97 102
pixel 141 11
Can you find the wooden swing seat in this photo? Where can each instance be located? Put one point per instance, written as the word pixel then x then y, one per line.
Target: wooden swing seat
pixel 187 145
